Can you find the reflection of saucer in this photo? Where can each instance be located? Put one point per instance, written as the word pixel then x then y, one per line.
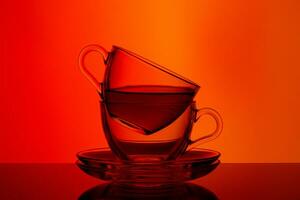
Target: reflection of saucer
pixel 102 164
pixel 112 191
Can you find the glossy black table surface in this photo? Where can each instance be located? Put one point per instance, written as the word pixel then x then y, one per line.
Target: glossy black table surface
pixel 228 181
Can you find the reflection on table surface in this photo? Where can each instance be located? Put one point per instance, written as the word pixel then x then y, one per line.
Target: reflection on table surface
pixel 228 181
pixel 181 191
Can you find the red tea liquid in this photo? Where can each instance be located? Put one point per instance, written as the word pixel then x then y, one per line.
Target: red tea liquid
pixel 148 108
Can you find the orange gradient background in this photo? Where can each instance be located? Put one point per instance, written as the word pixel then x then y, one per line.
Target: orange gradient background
pixel 244 54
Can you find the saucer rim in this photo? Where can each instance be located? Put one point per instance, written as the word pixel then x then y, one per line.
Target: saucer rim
pixel 129 162
pixel 79 162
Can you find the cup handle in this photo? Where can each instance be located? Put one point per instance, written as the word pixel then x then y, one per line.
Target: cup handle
pixel 86 50
pixel 219 126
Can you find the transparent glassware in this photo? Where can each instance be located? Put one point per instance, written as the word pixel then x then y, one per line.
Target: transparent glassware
pixel 147 110
pixel 130 143
pixel 101 163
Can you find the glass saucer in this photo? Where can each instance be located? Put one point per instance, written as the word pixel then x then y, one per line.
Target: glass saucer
pixel 102 164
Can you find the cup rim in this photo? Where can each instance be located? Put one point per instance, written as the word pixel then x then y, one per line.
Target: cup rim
pixel 160 67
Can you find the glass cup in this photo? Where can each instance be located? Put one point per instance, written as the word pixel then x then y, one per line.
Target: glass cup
pixel 130 142
pixel 131 78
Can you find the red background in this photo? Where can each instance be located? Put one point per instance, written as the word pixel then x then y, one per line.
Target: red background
pixel 244 54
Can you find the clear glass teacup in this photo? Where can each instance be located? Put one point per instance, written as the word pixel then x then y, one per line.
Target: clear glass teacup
pixel 129 142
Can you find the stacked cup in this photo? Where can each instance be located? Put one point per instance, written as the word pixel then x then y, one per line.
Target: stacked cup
pixel 148 111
